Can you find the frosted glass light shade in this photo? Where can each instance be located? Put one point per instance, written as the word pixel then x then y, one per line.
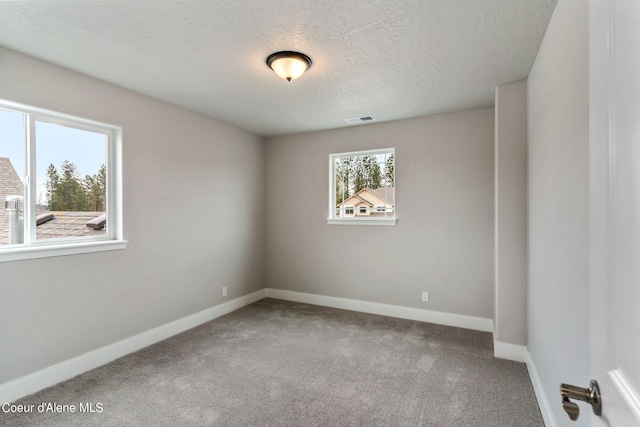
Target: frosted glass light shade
pixel 289 65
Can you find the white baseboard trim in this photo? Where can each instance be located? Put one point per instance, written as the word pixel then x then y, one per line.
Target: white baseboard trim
pixel 458 320
pixel 52 375
pixel 503 350
pixel 543 401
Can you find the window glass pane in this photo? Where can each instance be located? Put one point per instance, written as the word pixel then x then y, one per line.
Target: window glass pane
pixel 12 176
pixel 70 182
pixel 388 182
pixel 365 178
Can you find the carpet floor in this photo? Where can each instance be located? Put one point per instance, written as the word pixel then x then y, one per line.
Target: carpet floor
pixel 278 363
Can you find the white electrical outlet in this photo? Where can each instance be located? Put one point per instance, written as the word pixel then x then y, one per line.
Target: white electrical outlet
pixel 224 291
pixel 425 296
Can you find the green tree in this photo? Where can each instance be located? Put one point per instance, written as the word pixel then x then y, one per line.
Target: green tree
pixel 372 172
pixel 53 181
pixel 345 171
pixel 367 173
pixel 95 190
pixel 67 192
pixel 360 175
pixel 389 176
pixel 71 192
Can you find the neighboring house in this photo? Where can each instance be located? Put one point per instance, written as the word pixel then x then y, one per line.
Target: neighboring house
pixel 49 224
pixel 10 185
pixel 369 203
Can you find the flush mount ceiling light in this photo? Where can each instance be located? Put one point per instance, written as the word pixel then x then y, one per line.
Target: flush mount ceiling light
pixel 289 65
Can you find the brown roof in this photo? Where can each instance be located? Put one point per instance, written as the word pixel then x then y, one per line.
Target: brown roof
pixel 10 185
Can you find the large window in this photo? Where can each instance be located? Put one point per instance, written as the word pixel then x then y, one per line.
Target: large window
pixel 60 184
pixel 362 187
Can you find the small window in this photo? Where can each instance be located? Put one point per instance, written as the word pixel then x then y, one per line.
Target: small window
pixel 363 177
pixel 60 184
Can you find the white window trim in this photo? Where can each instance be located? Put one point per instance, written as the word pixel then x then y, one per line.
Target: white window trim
pixel 72 248
pixel 362 221
pixel 114 240
pixel 331 219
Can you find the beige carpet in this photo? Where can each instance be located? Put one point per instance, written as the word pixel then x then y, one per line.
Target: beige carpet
pixel 277 363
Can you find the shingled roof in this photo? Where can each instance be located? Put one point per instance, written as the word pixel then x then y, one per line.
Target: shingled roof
pixel 10 185
pixel 69 224
pixel 385 193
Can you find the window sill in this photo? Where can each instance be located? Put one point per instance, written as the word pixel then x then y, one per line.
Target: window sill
pixel 45 251
pixel 362 221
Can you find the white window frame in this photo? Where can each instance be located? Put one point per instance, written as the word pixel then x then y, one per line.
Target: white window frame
pixel 333 219
pixel 114 237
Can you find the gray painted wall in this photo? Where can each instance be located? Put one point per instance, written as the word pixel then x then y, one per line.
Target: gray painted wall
pixel 558 297
pixel 511 213
pixel 443 242
pixel 193 214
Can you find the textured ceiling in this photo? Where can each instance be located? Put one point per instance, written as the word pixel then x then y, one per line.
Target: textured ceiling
pixel 392 59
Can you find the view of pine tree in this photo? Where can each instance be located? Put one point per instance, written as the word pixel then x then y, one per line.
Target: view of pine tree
pixel 344 178
pixel 66 191
pixel 70 193
pixel 359 178
pixel 94 187
pixel 53 182
pixel 373 174
pixel 389 176
pixel 367 173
